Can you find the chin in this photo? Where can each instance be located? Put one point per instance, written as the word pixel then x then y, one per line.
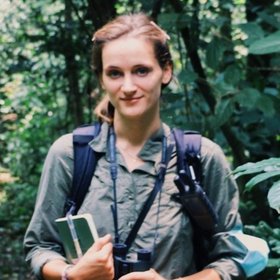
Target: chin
pixel 133 113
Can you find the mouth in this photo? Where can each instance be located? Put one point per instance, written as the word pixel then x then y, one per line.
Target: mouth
pixel 134 98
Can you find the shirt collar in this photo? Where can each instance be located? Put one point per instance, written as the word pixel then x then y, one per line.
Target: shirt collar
pixel 151 150
pixel 99 143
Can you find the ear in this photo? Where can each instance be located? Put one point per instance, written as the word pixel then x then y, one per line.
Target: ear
pixel 101 82
pixel 167 74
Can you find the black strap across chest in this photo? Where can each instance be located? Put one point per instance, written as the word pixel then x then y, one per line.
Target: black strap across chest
pixel 85 159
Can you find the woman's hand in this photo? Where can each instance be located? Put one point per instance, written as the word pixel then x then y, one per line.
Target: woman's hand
pixel 146 275
pixel 97 263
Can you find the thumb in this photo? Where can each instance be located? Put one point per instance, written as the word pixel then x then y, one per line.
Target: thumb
pixel 106 251
pixel 100 243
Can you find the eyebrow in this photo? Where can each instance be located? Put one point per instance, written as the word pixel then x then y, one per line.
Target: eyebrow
pixel 134 66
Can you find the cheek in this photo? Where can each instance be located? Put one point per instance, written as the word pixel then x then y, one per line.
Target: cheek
pixel 150 85
pixel 110 86
pixel 155 90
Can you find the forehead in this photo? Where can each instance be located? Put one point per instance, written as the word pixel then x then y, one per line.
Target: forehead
pixel 128 50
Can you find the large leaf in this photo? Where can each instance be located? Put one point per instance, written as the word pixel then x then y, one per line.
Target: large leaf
pixel 269 44
pixel 274 196
pixel 257 167
pixel 265 104
pixel 248 97
pixel 186 76
pixel 214 52
pixel 253 31
pixel 223 111
pixel 260 178
pixel 232 74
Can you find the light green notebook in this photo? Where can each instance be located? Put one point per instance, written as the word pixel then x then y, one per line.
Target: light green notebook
pixel 86 234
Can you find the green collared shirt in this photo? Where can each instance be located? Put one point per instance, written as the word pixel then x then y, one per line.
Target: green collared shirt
pixel 166 227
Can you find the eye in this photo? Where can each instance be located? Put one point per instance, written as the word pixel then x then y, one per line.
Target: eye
pixel 142 71
pixel 113 73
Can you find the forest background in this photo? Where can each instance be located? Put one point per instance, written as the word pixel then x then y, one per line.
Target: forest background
pixel 227 61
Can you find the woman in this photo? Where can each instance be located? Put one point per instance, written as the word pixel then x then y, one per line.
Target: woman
pixel 133 63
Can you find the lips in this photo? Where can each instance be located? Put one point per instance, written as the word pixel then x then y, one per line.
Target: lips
pixel 131 98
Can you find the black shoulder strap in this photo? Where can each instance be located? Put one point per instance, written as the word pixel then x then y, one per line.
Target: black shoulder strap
pixel 188 144
pixel 188 181
pixel 167 151
pixel 84 165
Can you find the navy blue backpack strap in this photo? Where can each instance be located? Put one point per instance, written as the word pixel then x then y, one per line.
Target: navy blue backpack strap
pixel 195 203
pixel 85 160
pixel 188 181
pixel 188 145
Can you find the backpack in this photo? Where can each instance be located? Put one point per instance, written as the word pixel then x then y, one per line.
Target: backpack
pixel 188 145
pixel 191 195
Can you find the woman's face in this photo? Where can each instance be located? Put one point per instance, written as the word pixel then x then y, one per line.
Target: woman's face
pixel 132 77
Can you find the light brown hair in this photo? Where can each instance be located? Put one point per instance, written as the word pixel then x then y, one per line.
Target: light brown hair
pixel 127 25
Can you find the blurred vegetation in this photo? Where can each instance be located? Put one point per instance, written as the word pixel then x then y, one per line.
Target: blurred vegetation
pixel 226 56
pixel 265 170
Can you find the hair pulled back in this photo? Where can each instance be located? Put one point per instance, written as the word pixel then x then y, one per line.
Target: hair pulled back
pixel 134 25
pixel 130 25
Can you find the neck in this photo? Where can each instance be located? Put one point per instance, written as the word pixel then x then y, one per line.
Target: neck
pixel 132 133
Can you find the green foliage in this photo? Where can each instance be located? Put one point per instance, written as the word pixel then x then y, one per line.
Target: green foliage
pixel 247 97
pixel 47 88
pixel 16 208
pixel 274 194
pixel 272 236
pixel 268 169
pixel 214 52
pixel 267 45
pixel 29 135
pixel 265 170
pixel 19 203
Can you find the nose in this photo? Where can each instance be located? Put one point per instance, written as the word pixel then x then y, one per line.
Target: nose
pixel 128 85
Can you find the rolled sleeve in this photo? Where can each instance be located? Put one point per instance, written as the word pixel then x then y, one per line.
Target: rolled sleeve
pixel 40 258
pixel 223 192
pixel 228 269
pixel 41 242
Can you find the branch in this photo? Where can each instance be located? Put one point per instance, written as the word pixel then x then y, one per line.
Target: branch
pixel 81 20
pixel 191 46
pixel 74 97
pixel 100 11
pixel 156 9
pixel 202 83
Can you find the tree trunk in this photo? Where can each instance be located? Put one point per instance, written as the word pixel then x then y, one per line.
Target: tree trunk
pixel 74 104
pixel 100 11
pixel 258 65
pixel 202 83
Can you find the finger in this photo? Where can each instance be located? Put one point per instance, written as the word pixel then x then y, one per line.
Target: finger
pixel 108 248
pixel 99 243
pixel 107 251
pixel 146 275
pixel 138 276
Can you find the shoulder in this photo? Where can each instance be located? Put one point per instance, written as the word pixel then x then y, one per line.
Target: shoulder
pixel 209 151
pixel 209 147
pixel 212 156
pixel 62 147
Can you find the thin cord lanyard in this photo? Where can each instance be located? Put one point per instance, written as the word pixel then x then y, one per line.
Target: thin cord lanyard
pixel 165 156
pixel 114 174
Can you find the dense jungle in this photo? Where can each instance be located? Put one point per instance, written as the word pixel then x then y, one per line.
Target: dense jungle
pixel 227 68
